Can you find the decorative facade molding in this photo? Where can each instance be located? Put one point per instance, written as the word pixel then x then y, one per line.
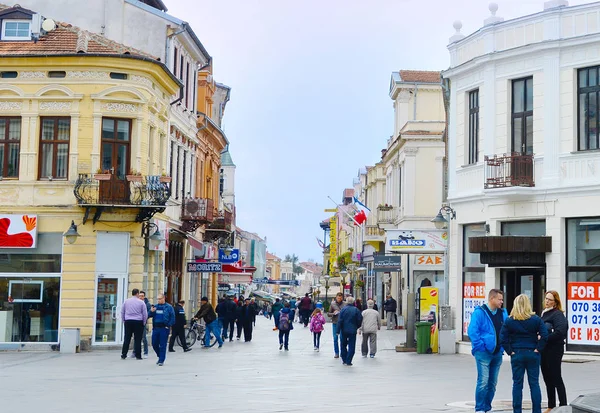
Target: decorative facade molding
pixel 142 80
pixel 4 105
pixel 56 106
pixel 119 107
pixel 88 74
pixel 32 75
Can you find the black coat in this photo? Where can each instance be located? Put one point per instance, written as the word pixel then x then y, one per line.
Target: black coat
pixel 180 319
pixel 557 326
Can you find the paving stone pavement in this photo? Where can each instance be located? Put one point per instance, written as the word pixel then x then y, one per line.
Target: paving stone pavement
pixel 256 376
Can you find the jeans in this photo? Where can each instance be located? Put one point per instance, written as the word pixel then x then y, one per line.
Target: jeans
pixel 336 335
pixel 159 342
pixel 551 371
pixel 135 328
pixel 221 327
pixel 284 338
pixel 348 347
pixel 317 339
pixel 369 340
pixel 213 328
pixel 276 317
pixel 488 367
pixel 526 360
pixel 390 319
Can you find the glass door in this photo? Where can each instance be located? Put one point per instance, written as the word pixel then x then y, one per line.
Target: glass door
pixel 116 138
pixel 109 299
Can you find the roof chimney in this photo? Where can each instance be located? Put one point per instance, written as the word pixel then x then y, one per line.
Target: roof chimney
pixel 553 4
pixel 493 19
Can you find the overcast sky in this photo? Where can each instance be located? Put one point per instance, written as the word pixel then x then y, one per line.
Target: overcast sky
pixel 309 101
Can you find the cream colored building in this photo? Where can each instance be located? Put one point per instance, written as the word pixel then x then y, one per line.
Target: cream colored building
pixel 524 161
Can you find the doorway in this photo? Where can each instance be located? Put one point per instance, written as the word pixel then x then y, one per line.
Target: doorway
pixel 528 281
pixel 110 294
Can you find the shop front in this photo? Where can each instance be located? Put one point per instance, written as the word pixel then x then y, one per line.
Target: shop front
pixel 30 281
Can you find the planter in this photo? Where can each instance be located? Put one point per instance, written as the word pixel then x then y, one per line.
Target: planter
pixel 385 208
pixel 134 178
pixel 165 179
pixel 102 177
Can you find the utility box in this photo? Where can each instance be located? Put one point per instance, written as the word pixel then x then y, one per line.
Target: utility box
pixel 588 403
pixel 445 317
pixel 69 340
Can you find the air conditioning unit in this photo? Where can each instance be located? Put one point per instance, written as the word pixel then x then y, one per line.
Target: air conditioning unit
pixel 195 208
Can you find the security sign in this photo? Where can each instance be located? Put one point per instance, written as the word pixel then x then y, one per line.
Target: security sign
pixel 231 258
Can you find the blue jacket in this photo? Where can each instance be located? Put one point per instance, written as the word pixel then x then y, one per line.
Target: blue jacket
pixel 164 314
pixel 481 330
pixel 523 334
pixel 349 320
pixel 291 314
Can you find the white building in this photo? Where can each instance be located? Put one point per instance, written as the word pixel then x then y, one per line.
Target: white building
pixel 524 166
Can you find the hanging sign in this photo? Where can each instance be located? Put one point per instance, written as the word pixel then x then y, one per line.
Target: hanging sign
pixel 18 231
pixel 204 267
pixel 583 313
pixel 230 258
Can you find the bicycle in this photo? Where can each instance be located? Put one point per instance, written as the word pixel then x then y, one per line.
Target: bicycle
pixel 194 331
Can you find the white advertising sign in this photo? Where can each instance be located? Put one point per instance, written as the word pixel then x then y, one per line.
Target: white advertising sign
pixel 416 241
pixel 583 313
pixel 18 231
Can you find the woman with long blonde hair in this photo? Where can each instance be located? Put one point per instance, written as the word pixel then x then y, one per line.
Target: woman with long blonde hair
pixel 556 323
pixel 524 336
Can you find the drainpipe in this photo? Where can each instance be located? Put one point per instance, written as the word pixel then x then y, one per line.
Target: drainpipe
pixel 415 103
pixel 446 96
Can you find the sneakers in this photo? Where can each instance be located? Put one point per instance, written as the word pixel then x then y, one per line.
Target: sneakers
pixel 123 357
pixel 220 345
pixel 337 356
pixel 145 356
pixel 160 364
pixel 372 356
pixel 364 355
pixel 287 349
pixel 171 351
pixel 316 349
pixel 280 346
pixel 187 349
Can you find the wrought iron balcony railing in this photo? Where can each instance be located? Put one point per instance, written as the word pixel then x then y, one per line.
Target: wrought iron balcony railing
pixel 387 214
pixel 196 212
pixel 113 190
pixel 509 170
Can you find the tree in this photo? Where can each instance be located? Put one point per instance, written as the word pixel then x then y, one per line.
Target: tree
pixel 296 269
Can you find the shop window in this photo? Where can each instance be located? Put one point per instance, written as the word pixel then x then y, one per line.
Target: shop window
pixel 583 238
pixel 474 293
pixel 29 292
pixel 54 148
pixel 10 146
pixel 524 228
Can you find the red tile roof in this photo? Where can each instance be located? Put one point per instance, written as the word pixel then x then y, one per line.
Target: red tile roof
pixel 420 76
pixel 272 257
pixel 312 267
pixel 67 39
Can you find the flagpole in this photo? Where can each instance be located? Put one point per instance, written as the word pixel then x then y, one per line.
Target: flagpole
pixel 344 211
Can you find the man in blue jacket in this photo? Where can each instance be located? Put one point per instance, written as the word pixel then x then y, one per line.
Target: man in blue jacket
pixel 349 321
pixel 163 317
pixel 484 332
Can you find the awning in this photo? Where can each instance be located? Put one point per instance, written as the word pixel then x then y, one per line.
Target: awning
pixel 195 242
pixel 230 268
pixel 233 278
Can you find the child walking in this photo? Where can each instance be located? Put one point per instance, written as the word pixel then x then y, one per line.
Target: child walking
pixel 317 325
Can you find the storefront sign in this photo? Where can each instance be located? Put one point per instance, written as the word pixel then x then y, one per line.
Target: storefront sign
pixel 429 260
pixel 383 263
pixel 332 243
pixel 18 231
pixel 473 296
pixel 204 267
pixel 584 313
pixel 230 258
pixel 430 298
pixel 416 241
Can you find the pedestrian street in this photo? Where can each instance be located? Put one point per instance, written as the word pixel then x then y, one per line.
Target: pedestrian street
pixel 257 376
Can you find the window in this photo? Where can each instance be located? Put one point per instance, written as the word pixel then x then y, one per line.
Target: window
pixel 187 86
pixel 57 74
pixel 473 127
pixel 9 75
pixel 16 30
pixel 588 88
pixel 54 148
pixel 175 62
pixel 177 172
pixel 522 116
pixel 10 146
pixel 194 88
pixel 120 76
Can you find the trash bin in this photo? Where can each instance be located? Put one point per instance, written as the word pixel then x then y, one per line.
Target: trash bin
pixel 423 337
pixel 69 340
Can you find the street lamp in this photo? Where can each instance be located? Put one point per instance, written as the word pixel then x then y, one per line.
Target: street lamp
pixel 343 274
pixel 441 221
pixel 327 277
pixel 71 234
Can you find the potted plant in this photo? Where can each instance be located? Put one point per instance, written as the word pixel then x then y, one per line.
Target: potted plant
pixel 359 283
pixel 384 207
pixel 134 176
pixel 164 178
pixel 101 175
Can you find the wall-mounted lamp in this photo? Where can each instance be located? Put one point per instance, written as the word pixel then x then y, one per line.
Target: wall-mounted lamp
pixel 71 234
pixel 151 231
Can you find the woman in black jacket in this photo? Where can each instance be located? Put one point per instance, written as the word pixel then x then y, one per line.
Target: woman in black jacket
pixel 557 326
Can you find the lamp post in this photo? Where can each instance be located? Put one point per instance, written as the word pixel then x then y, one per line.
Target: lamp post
pixel 441 222
pixel 327 277
pixel 343 274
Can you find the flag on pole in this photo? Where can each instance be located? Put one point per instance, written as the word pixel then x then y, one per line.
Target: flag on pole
pixel 363 212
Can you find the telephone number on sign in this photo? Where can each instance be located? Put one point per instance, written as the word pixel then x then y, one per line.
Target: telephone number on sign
pixel 583 319
pixel 585 307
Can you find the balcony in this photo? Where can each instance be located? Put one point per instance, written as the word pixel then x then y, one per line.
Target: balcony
pixel 148 194
pixel 509 170
pixel 196 212
pixel 374 233
pixel 386 216
pixel 220 227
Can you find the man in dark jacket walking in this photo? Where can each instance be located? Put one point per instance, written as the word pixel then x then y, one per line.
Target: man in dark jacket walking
pixel 229 317
pixel 305 309
pixel 178 329
pixel 390 311
pixel 207 313
pixel 248 316
pixel 349 321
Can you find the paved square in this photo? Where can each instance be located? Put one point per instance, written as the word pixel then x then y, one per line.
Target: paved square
pixel 256 376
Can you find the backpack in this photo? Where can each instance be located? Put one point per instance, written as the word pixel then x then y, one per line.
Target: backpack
pixel 284 322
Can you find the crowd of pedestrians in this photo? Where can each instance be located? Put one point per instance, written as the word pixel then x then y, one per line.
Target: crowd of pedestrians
pixel 531 341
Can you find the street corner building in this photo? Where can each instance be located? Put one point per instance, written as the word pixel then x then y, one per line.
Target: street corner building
pixel 90 159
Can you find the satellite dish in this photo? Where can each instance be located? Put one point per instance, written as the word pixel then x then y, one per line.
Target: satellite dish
pixel 48 25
